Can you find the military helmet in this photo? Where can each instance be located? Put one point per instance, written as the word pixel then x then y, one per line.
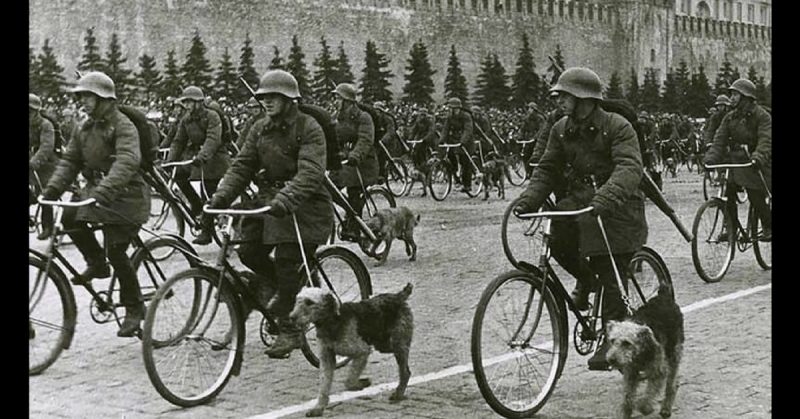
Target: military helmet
pixel 95 82
pixel 745 87
pixel 280 82
pixel 579 82
pixel 722 100
pixel 379 105
pixel 454 102
pixel 346 91
pixel 192 93
pixel 34 102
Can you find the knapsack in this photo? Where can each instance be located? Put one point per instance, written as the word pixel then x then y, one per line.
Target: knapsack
pixel 374 114
pixel 57 136
pixel 324 119
pixel 229 135
pixel 148 134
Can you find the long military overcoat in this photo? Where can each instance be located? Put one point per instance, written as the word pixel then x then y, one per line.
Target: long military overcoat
pixel 199 134
pixel 41 148
pixel 356 135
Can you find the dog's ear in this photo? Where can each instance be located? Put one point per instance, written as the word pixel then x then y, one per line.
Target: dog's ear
pixel 331 304
pixel 647 345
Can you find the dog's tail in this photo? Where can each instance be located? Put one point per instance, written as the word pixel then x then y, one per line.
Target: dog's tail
pixel 665 290
pixel 405 292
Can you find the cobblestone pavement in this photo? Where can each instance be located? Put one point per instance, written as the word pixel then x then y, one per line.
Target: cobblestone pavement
pixel 726 370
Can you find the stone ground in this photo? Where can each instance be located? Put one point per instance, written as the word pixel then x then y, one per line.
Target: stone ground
pixel 726 370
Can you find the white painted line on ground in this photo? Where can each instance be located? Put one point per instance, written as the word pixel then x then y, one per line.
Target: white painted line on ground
pixel 460 369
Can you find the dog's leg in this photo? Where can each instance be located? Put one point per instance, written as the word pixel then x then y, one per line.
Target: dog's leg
pixel 385 254
pixel 413 248
pixel 401 356
pixel 357 365
pixel 672 385
pixel 654 384
pixel 630 382
pixel 327 359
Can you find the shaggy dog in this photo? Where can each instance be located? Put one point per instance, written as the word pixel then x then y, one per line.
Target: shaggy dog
pixel 647 347
pixel 494 173
pixel 352 329
pixel 391 223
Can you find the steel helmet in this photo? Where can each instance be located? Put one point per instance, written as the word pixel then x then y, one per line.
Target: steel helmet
pixel 278 81
pixel 745 87
pixel 379 105
pixel 722 100
pixel 579 82
pixel 34 102
pixel 192 93
pixel 96 82
pixel 346 91
pixel 454 102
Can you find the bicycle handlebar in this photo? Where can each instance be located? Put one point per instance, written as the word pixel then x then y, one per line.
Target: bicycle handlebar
pixel 449 145
pixel 414 141
pixel 230 211
pixel 727 165
pixel 556 213
pixel 176 163
pixel 85 202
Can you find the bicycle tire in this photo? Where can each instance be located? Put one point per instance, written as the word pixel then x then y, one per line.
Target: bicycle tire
pixel 761 249
pixel 63 329
pixel 157 271
pixel 168 219
pixel 334 277
pixel 397 180
pixel 439 181
pixel 643 284
pixel 498 395
pixel 706 185
pixel 476 186
pixel 379 199
pixel 515 171
pixel 520 238
pixel 706 238
pixel 204 281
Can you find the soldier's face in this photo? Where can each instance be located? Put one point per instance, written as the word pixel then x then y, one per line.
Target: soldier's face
pixel 88 102
pixel 736 97
pixel 566 103
pixel 274 103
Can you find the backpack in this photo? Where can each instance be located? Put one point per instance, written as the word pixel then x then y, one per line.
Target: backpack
pixel 148 134
pixel 374 114
pixel 324 119
pixel 57 137
pixel 229 135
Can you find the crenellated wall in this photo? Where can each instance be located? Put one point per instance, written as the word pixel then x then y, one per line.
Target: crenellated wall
pixel 606 35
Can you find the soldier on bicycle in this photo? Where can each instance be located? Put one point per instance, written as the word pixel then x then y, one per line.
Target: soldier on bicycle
pixel 458 129
pixel 591 146
pixel 42 156
pixel 747 132
pixel 105 150
pixel 284 154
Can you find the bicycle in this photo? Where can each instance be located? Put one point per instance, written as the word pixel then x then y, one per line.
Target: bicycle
pixel 441 173
pixel 206 336
pixel 516 172
pixel 34 209
pixel 52 310
pixel 717 233
pixel 397 180
pixel 715 180
pixel 519 341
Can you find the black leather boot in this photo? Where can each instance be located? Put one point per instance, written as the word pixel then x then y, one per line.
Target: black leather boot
pixel 133 318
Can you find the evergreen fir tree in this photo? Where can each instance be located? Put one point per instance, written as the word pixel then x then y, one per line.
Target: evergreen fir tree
pixel 699 98
pixel 455 84
pixel 148 77
pixel 325 74
pixel 172 84
pixel 226 82
pixel 554 71
pixel 419 76
pixel 277 61
pixel 725 76
pixel 375 78
pixel 34 84
pixel 196 69
pixel 481 93
pixel 115 67
pixel 246 70
pixel 91 59
pixel 649 97
pixel 669 96
pixel 633 89
pixel 525 84
pixel 50 78
pixel 758 81
pixel 491 90
pixel 344 73
pixel 682 79
pixel 297 67
pixel 614 89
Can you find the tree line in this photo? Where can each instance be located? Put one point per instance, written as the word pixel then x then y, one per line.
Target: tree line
pixel 682 91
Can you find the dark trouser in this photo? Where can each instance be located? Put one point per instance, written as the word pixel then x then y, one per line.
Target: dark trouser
pixel 182 180
pixel 564 247
pixel 47 217
pixel 381 162
pixel 458 156
pixel 117 237
pixel 527 152
pixel 285 270
pixel 757 197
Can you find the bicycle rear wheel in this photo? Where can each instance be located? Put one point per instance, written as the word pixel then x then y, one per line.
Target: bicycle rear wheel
pixel 515 171
pixel 193 337
pixel 165 216
pixel 342 272
pixel 51 315
pixel 439 180
pixel 762 249
pixel 379 199
pixel 646 273
pixel 517 355
pixel 714 241
pixel 397 180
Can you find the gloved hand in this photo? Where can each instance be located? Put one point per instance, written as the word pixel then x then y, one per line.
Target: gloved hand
pixel 51 194
pixel 278 209
pixel 758 161
pixel 525 207
pixel 101 199
pixel 599 208
pixel 197 161
pixel 707 162
pixel 216 202
pixel 352 161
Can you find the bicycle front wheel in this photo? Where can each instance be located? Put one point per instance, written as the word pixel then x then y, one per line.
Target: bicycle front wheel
pixel 343 273
pixel 515 171
pixel 397 180
pixel 519 344
pixel 51 315
pixel 193 337
pixel 762 249
pixel 714 240
pixel 521 238
pixel 439 181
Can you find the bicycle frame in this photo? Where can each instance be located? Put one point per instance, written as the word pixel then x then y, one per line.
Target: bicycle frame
pixel 333 189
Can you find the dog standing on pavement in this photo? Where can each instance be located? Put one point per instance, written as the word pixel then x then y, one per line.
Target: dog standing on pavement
pixel 352 329
pixel 394 223
pixel 648 347
pixel 494 173
pixel 416 176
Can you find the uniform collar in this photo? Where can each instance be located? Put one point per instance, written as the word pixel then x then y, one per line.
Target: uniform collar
pixel 592 122
pixel 104 111
pixel 285 119
pixel 746 108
